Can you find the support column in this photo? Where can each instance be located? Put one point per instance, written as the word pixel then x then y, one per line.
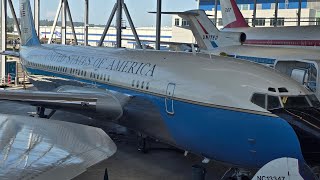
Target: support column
pixel 299 13
pixel 37 16
pixel 158 26
pixel 113 12
pixel 15 19
pixel 136 37
pixel 63 23
pixel 276 13
pixel 216 12
pixel 254 16
pixel 86 23
pixel 71 23
pixel 119 22
pixel 3 36
pixel 55 22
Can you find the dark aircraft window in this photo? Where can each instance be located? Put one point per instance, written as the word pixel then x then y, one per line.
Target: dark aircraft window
pixel 147 87
pixel 85 73
pixel 294 101
pixel 273 102
pixel 133 83
pixel 138 82
pixel 97 76
pixel 282 90
pixel 314 100
pixel 109 78
pixel 271 89
pixel 259 99
pixel 101 76
pixel 142 85
pixel 104 77
pixel 91 75
pixel 94 75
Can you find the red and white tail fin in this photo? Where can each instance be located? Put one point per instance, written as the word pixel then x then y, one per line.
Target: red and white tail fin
pixel 206 33
pixel 231 15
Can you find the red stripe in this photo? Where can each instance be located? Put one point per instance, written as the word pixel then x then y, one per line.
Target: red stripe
pixel 283 42
pixel 204 30
pixel 240 21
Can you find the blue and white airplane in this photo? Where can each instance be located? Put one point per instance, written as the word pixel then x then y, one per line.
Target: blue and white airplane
pixel 236 112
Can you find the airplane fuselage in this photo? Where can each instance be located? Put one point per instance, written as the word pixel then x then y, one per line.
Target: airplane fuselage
pixel 290 36
pixel 197 103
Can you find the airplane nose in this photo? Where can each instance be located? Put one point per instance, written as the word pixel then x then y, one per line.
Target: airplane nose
pixel 306 124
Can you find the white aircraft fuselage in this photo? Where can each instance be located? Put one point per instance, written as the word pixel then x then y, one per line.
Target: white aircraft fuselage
pixel 232 111
pixel 196 103
pixel 306 37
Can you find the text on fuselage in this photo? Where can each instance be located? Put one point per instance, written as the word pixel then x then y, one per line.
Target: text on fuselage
pixel 112 64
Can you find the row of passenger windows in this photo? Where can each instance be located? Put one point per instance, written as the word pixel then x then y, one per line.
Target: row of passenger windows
pixel 54 68
pixel 78 72
pixel 97 76
pixel 142 84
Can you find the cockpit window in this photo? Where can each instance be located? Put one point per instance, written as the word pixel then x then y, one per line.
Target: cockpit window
pixel 314 100
pixel 273 102
pixel 294 101
pixel 259 99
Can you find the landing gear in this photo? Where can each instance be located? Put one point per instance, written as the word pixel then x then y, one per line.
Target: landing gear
pixel 236 174
pixel 142 143
pixel 41 112
pixel 198 172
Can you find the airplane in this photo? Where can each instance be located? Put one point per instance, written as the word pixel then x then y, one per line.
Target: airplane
pixel 34 148
pixel 223 109
pixel 212 41
pixel 287 36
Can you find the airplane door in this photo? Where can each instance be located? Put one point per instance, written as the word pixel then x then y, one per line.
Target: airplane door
pixel 169 103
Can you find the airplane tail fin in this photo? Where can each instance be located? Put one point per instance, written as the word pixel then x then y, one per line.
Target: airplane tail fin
pixel 206 33
pixel 231 15
pixel 28 33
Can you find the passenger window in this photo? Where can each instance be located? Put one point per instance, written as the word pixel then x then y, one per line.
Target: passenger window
pixel 259 99
pixel 273 102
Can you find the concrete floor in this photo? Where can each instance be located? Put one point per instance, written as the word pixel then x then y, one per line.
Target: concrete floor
pixel 128 162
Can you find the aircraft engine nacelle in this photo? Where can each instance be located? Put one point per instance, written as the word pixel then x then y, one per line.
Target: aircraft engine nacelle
pixel 104 103
pixel 231 38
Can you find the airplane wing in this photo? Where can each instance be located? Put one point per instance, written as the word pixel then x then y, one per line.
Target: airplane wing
pixel 86 101
pixel 34 148
pixel 10 53
pixel 163 42
pixel 176 46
